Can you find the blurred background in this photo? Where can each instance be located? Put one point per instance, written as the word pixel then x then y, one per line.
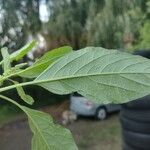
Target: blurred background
pixel 113 24
pixel 108 23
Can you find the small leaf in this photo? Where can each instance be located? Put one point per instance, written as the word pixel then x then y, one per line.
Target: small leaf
pixel 6 59
pixel 17 55
pixel 26 98
pixel 40 65
pixel 47 135
pixel 19 66
pixel 104 76
pixel 14 70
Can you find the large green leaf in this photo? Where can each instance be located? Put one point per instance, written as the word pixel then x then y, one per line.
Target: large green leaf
pixel 99 74
pixel 47 135
pixel 40 65
pixel 23 51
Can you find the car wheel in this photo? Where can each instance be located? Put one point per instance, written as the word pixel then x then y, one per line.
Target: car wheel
pixel 101 113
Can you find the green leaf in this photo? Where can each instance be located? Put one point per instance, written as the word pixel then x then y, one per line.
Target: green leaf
pixel 26 98
pixel 13 71
pixel 17 55
pixel 47 135
pixel 101 75
pixel 19 66
pixel 40 65
pixel 6 59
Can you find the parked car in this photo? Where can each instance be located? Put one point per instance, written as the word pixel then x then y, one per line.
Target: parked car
pixel 82 106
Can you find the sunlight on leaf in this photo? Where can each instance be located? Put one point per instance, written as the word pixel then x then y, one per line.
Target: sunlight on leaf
pixel 41 64
pixel 17 55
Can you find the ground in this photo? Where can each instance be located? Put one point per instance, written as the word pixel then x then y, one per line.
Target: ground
pixel 89 134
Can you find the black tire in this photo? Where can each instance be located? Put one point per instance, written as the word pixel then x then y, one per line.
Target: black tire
pixel 101 113
pixel 136 115
pixel 141 103
pixel 137 140
pixel 128 147
pixel 134 126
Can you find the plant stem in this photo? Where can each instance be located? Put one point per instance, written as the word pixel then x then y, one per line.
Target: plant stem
pixel 16 85
pixel 10 100
pixel 24 84
pixel 13 102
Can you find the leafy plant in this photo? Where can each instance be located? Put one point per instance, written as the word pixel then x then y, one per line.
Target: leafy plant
pixel 101 75
pixel 144 41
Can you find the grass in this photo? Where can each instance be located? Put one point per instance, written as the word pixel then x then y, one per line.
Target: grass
pixel 8 113
pixel 97 135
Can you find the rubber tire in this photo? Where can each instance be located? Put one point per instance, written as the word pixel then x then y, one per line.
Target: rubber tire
pixel 134 126
pixel 141 103
pixel 97 111
pixel 128 147
pixel 136 115
pixel 137 140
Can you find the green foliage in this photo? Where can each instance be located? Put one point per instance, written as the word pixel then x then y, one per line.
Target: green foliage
pixel 105 23
pixel 18 20
pixel 80 23
pixel 143 39
pixel 104 76
pixel 101 75
pixel 41 124
pixel 17 55
pixel 41 64
pixel 47 135
pixel 145 36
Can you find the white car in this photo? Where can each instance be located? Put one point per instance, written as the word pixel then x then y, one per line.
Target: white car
pixel 81 106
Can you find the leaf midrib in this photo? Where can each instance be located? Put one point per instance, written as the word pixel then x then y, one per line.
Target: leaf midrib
pixel 87 75
pixel 38 129
pixel 37 81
